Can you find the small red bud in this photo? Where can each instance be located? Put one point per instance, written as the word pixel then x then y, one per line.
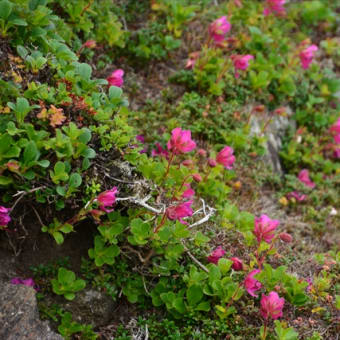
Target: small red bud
pixel 202 152
pixel 285 237
pixel 187 162
pixel 90 44
pixel 197 178
pixel 212 163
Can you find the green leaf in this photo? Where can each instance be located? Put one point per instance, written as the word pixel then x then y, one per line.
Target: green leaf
pixel 31 152
pixel 201 239
pixel 75 180
pixel 224 265
pixel 337 302
pixel 181 231
pixel 115 92
pixel 203 306
pixel 5 9
pixel 61 190
pixel 84 70
pixel 85 137
pixel 19 22
pixel 22 51
pixel 179 305
pixel 65 276
pixel 69 296
pixel 66 228
pixel 59 238
pixel 194 294
pixel 140 229
pixel 284 333
pixel 5 180
pixel 44 163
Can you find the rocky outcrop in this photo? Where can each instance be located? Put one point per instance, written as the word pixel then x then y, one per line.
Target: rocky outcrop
pixel 274 133
pixel 19 317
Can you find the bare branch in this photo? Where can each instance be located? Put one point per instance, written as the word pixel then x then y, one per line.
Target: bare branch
pixel 194 259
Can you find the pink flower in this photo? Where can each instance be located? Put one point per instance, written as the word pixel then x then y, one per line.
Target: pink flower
pixel 27 282
pixel 296 195
pixel 216 255
pixel 304 178
pixel 271 306
pixel 116 78
pixel 180 141
pixel 237 264
pixel 4 216
pixel 275 7
pixel 159 151
pixel 251 284
pixel 337 139
pixel 241 62
pixel 107 199
pixel 226 157
pixel 265 228
pixel 306 56
pixel 310 284
pixel 140 138
pixel 192 60
pixel 189 192
pixel 178 212
pixel 335 127
pixel 218 29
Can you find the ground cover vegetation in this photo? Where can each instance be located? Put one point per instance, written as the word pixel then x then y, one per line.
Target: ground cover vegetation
pixel 129 164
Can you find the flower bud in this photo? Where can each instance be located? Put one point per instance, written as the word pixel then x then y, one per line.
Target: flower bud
pixel 187 163
pixel 237 264
pixel 90 44
pixel 285 237
pixel 212 163
pixel 13 166
pixel 197 178
pixel 202 152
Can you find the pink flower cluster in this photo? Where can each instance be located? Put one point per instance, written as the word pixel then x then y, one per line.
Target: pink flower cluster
pixel 274 7
pixel 27 282
pixel 304 178
pixel 306 56
pixel 335 131
pixel 159 151
pixel 219 252
pixel 180 141
pixel 271 306
pixel 218 29
pixel 4 216
pixel 179 211
pixel 116 78
pixel 226 158
pixel 297 196
pixel 216 255
pixel 107 199
pixel 241 62
pixel 265 228
pixel 251 284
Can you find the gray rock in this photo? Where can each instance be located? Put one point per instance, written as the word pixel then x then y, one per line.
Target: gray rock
pixel 274 133
pixel 19 318
pixel 92 307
